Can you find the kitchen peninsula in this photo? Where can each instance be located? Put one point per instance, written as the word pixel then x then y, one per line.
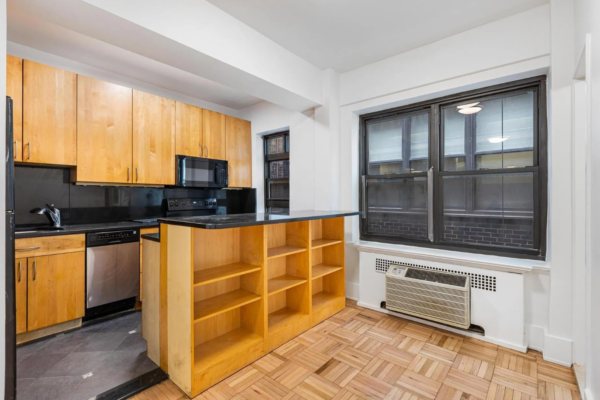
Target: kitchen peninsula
pixel 239 286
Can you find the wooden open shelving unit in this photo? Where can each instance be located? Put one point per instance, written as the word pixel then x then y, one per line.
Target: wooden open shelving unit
pixel 235 294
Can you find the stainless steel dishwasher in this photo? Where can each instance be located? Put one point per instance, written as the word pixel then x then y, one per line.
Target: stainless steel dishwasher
pixel 112 267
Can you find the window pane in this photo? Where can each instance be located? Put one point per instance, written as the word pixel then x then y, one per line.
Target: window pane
pixel 385 147
pixel 279 169
pixel 279 191
pixel 489 209
pixel 499 135
pixel 419 143
pixel 399 145
pixel 397 207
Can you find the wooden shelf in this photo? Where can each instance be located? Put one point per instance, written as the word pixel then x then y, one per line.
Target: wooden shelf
pixel 223 347
pixel 323 269
pixel 323 299
pixel 222 303
pixel 283 251
pixel 283 318
pixel 318 243
pixel 284 282
pixel 211 275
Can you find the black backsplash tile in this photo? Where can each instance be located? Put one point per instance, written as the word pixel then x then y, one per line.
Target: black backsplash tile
pixel 37 186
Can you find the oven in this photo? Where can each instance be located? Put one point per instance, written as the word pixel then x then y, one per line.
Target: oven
pixel 200 172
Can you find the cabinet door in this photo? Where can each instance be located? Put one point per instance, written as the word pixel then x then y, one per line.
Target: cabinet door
pixel 239 152
pixel 49 115
pixel 56 289
pixel 153 139
pixel 188 130
pixel 104 131
pixel 14 89
pixel 21 294
pixel 214 135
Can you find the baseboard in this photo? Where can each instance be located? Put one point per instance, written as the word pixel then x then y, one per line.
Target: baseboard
pixel 558 350
pixel 588 395
pixel 48 331
pixel 535 337
pixel 352 290
pixel 512 346
pixel 579 371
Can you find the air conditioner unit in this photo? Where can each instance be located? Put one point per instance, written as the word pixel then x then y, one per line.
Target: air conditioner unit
pixel 436 296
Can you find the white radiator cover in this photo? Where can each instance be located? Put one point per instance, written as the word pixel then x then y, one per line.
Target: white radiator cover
pixel 446 303
pixel 500 311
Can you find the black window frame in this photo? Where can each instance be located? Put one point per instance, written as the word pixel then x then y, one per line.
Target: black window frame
pixel 285 156
pixel 436 160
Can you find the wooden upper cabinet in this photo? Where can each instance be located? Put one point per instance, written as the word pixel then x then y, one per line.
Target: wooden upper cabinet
pixel 104 132
pixel 153 139
pixel 49 115
pixel 188 137
pixel 214 135
pixel 239 152
pixel 21 294
pixel 56 289
pixel 14 89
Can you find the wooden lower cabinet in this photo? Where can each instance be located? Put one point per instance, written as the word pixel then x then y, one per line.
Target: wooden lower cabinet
pixel 21 294
pixel 55 289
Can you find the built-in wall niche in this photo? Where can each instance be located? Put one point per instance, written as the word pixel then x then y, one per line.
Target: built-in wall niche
pixel 228 293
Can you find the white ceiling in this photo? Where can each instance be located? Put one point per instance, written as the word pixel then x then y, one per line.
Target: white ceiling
pixel 348 34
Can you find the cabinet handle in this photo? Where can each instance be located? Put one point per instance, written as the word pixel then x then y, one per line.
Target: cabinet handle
pixel 19 271
pixel 28 248
pixel 34 269
pixel 136 174
pixel 206 151
pixel 127 174
pixel 29 147
pixel 200 150
pixel 15 155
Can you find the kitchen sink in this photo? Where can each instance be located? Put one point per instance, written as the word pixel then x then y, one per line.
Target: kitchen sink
pixel 40 229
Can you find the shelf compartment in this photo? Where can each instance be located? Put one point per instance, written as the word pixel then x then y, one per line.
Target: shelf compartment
pixel 284 282
pixel 284 318
pixel 321 270
pixel 215 274
pixel 216 305
pixel 283 251
pixel 324 299
pixel 224 347
pixel 318 243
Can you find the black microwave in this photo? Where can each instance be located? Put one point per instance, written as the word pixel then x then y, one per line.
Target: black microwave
pixel 200 172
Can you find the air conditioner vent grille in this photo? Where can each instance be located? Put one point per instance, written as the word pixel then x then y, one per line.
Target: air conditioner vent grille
pixel 436 296
pixel 478 281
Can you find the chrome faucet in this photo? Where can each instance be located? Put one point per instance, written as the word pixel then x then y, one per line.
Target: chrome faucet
pixel 53 212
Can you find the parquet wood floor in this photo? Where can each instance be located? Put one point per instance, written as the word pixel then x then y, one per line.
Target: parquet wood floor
pixel 363 354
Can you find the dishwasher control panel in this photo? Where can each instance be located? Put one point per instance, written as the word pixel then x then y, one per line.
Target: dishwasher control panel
pixel 113 237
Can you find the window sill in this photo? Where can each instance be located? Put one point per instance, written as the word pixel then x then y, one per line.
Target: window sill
pixel 482 261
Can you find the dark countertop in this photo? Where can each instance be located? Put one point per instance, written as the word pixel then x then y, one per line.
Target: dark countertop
pixel 241 220
pixel 155 237
pixel 84 228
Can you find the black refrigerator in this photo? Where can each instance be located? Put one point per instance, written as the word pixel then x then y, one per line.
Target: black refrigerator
pixel 10 378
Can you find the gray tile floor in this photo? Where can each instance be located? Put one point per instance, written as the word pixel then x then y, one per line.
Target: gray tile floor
pixel 55 367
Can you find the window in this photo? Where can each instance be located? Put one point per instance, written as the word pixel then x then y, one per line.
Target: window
pixel 465 172
pixel 277 172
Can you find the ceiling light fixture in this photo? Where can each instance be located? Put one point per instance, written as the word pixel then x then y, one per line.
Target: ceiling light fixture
pixel 470 108
pixel 497 139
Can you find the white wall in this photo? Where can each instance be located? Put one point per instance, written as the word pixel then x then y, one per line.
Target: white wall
pixel 510 40
pixel 587 21
pixel 506 50
pixel 314 150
